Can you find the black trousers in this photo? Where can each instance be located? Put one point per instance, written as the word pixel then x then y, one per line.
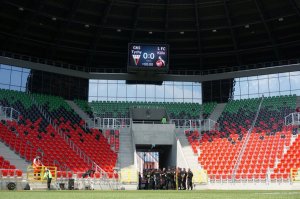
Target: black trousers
pixel 49 182
pixel 179 184
pixel 183 184
pixel 189 184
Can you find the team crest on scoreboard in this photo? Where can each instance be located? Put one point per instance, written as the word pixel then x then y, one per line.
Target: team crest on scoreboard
pixel 136 58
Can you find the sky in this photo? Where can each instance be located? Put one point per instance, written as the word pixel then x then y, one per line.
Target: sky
pixel 245 87
pixel 15 78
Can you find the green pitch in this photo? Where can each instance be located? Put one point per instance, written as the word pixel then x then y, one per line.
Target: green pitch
pixel 206 194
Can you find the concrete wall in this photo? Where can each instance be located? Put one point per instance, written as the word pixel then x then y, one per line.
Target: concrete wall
pixel 148 134
pixel 181 162
pixel 142 113
pixel 171 160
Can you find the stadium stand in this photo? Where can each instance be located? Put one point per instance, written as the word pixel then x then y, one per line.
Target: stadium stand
pixel 92 142
pixel 84 105
pixel 33 132
pixel 264 149
pixel 174 110
pixel 270 153
pixel 290 160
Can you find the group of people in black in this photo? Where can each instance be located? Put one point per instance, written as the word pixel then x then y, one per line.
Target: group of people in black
pixel 166 179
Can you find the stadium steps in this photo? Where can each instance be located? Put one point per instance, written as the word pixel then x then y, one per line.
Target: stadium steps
pixel 286 148
pixel 40 186
pixel 298 101
pixel 126 153
pixel 215 114
pixel 190 156
pixel 79 111
pixel 13 158
pixel 217 111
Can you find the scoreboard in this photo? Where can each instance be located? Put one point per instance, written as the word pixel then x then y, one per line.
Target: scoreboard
pixel 148 57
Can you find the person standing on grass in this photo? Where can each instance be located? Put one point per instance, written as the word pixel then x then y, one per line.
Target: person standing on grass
pixel 48 176
pixel 190 179
pixel 183 176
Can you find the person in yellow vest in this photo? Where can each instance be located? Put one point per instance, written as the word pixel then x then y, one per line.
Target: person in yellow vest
pixel 37 165
pixel 48 176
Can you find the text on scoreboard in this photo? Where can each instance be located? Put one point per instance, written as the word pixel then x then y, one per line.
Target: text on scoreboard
pixel 148 56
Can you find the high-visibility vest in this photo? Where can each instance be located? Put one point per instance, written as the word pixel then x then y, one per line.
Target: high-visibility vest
pixel 48 174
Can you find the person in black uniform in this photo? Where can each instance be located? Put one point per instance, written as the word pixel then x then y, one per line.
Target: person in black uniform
pixel 157 179
pixel 163 179
pixel 168 180
pixel 173 179
pixel 146 177
pixel 179 179
pixel 152 182
pixel 190 179
pixel 183 176
pixel 140 181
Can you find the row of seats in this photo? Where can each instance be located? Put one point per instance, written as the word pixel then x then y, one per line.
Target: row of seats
pixel 32 135
pixel 29 143
pixel 91 142
pixel 107 109
pixel 10 173
pixel 5 164
pixel 219 149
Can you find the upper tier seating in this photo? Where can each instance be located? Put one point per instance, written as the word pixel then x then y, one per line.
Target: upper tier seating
pixel 84 105
pixel 175 110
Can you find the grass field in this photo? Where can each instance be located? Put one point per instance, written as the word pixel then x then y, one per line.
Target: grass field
pixel 207 194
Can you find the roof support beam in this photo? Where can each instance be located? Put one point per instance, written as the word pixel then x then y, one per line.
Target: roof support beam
pixel 295 6
pixel 98 33
pixel 135 20
pixel 198 34
pixel 233 35
pixel 271 38
pixel 166 20
pixel 23 26
pixel 64 25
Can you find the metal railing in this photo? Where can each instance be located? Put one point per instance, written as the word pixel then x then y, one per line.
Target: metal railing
pixel 202 125
pixel 295 174
pixel 246 140
pixel 111 123
pixel 9 113
pixel 217 70
pixel 37 174
pixel 29 152
pixel 72 145
pixel 292 119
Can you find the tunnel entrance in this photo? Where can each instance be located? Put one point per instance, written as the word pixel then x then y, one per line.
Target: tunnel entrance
pixel 154 157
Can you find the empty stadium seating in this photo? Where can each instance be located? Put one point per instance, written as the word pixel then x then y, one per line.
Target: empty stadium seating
pixel 84 105
pixel 32 135
pixel 175 110
pixel 8 170
pixel 98 149
pixel 264 155
pixel 290 160
pixel 220 149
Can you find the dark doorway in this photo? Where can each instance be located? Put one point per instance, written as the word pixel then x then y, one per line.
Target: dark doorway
pixel 164 154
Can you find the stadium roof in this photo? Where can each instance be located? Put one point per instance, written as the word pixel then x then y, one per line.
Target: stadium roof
pixel 202 34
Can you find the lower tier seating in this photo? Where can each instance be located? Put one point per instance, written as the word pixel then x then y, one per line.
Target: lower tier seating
pixel 26 141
